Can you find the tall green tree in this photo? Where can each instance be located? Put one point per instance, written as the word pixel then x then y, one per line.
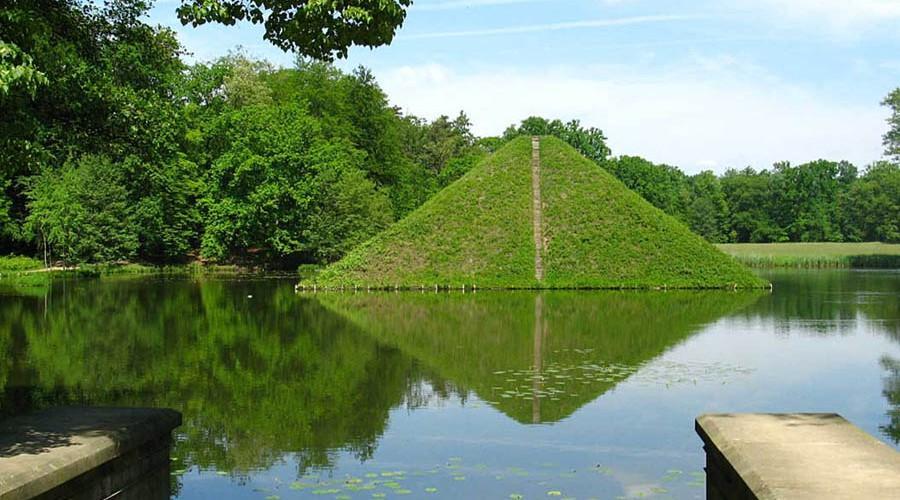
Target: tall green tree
pixel 707 212
pixel 167 219
pixel 272 191
pixel 750 204
pixel 80 212
pixel 871 205
pixel 445 147
pixel 805 198
pixel 353 107
pixel 892 137
pixel 110 79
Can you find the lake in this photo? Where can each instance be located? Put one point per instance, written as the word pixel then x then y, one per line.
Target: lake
pixel 477 395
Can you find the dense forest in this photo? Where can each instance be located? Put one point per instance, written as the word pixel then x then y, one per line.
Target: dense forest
pixel 114 149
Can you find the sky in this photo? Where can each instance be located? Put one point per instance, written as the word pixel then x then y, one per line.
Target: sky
pixel 699 84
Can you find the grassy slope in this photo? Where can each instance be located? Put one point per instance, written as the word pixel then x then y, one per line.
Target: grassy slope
pixel 478 231
pixel 815 254
pixel 601 234
pixel 456 238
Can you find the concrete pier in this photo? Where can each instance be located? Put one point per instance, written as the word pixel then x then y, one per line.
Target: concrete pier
pixel 81 453
pixel 794 457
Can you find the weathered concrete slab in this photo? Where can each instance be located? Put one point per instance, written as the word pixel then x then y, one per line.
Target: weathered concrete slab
pixel 795 456
pixel 82 452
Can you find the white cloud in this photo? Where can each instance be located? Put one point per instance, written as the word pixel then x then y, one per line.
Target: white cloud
pixel 704 117
pixel 541 28
pixel 841 14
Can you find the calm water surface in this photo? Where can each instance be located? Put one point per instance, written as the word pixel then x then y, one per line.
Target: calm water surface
pixel 487 395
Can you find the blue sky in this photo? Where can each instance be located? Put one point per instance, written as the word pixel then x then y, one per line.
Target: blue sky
pixel 699 84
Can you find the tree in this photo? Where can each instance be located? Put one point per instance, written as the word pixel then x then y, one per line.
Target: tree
pixel 871 205
pixel 80 212
pixel 439 145
pixel 321 29
pixel 707 212
pixel 353 107
pixel 749 198
pixel 805 198
pixel 590 142
pixel 110 82
pixel 664 186
pixel 166 216
pixel 892 137
pixel 277 190
pixel 243 84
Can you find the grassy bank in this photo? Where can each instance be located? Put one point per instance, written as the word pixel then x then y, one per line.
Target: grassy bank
pixel 816 255
pixel 25 269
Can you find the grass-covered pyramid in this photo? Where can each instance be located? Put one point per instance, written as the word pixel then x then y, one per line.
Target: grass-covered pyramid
pixel 479 231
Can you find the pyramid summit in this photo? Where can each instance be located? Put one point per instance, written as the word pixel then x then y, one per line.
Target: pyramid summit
pixel 537 214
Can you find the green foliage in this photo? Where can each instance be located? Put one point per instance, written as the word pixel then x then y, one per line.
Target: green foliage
pixel 871 205
pixel 244 84
pixel 478 231
pixel 17 70
pixel 664 186
pixel 16 263
pixel 277 189
pixel 81 213
pixel 589 142
pixel 806 198
pixel 892 137
pixel 202 167
pixel 748 195
pixel 167 217
pixel 445 147
pixel 317 28
pixel 707 214
pixel 352 107
pixel 109 92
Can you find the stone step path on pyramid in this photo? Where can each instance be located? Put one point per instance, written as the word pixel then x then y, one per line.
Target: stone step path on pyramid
pixel 537 217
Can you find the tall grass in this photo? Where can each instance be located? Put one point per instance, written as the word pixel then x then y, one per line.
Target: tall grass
pixel 13 263
pixel 816 255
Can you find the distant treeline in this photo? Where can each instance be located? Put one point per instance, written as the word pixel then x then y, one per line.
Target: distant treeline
pixel 113 149
pixel 817 201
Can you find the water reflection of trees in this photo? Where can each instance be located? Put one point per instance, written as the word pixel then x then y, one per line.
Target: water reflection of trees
pixel 829 301
pixel 256 378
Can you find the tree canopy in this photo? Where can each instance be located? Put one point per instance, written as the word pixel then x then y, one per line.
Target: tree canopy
pixel 321 29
